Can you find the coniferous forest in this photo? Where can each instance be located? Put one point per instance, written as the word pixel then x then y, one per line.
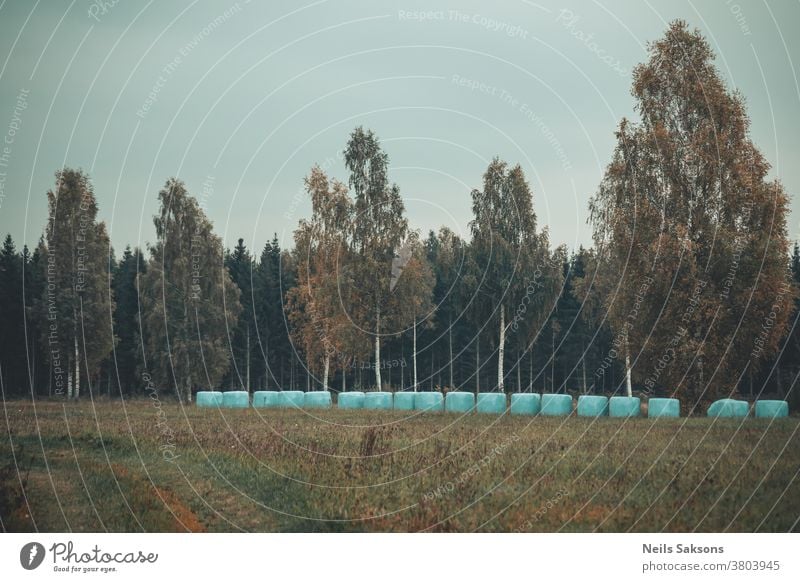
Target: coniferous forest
pixel 689 290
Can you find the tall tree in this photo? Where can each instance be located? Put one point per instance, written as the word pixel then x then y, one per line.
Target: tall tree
pixel 187 296
pixel 77 297
pixel 412 287
pixel 12 318
pixel 379 228
pixel 241 268
pixel 690 233
pixel 315 305
pixel 515 259
pixel 126 353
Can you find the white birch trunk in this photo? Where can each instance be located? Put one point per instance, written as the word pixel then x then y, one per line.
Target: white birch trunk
pixel 77 392
pixel 450 333
pixel 248 358
pixel 414 354
pixel 325 374
pixel 501 348
pixel 378 350
pixel 628 387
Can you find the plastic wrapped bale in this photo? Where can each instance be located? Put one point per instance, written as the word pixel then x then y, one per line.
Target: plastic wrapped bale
pixel 208 399
pixel 772 409
pixel 459 402
pixel 320 399
pixel 592 406
pixel 378 401
pixel 728 408
pixel 291 399
pixel 235 399
pixel 429 401
pixel 663 408
pixel 351 400
pixel 624 406
pixel 266 399
pixel 526 404
pixel 556 405
pixel 404 400
pixel 491 403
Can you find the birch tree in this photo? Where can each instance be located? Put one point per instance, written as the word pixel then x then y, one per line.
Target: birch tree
pixel 188 298
pixel 379 228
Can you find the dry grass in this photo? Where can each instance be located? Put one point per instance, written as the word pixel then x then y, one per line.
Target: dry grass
pixel 98 466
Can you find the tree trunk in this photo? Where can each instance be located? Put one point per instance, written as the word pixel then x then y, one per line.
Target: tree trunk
pixel 248 357
pixel 583 362
pixel 77 392
pixel 530 365
pixel 519 373
pixel 344 378
pixel 501 348
pixel 628 386
pixel 325 374
pixel 69 379
pixel 450 334
pixel 414 354
pixel 378 349
pixel 477 364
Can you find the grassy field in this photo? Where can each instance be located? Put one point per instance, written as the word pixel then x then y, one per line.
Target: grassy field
pixel 109 466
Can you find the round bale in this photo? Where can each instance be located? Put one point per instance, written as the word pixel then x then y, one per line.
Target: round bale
pixel 291 399
pixel 556 405
pixel 235 399
pixel 460 402
pixel 663 408
pixel 429 401
pixel 772 409
pixel 319 399
pixel 526 404
pixel 351 400
pixel 266 399
pixel 728 408
pixel 491 403
pixel 208 399
pixel 625 406
pixel 404 400
pixel 378 401
pixel 592 405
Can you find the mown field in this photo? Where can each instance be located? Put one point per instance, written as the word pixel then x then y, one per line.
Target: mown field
pixel 109 466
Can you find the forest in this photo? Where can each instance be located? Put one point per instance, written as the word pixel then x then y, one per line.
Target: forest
pixel 689 289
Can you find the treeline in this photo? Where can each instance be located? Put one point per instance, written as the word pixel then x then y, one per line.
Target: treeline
pixel 690 288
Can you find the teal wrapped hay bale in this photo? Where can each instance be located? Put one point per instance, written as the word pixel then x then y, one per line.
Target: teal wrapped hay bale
pixel 772 409
pixel 592 406
pixel 351 400
pixel 526 404
pixel 208 399
pixel 556 405
pixel 266 399
pixel 320 399
pixel 378 401
pixel 728 408
pixel 663 408
pixel 429 401
pixel 291 399
pixel 235 399
pixel 459 402
pixel 625 406
pixel 404 400
pixel 491 403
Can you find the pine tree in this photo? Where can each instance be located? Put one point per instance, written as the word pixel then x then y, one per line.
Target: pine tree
pixel 126 357
pixel 12 320
pixel 241 267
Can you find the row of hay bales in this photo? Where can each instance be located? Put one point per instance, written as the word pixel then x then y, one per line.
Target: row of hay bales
pixel 489 403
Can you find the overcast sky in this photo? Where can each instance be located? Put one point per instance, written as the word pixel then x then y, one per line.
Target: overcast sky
pixel 240 99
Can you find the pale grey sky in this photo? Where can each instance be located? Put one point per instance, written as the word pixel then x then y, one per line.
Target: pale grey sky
pixel 240 99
